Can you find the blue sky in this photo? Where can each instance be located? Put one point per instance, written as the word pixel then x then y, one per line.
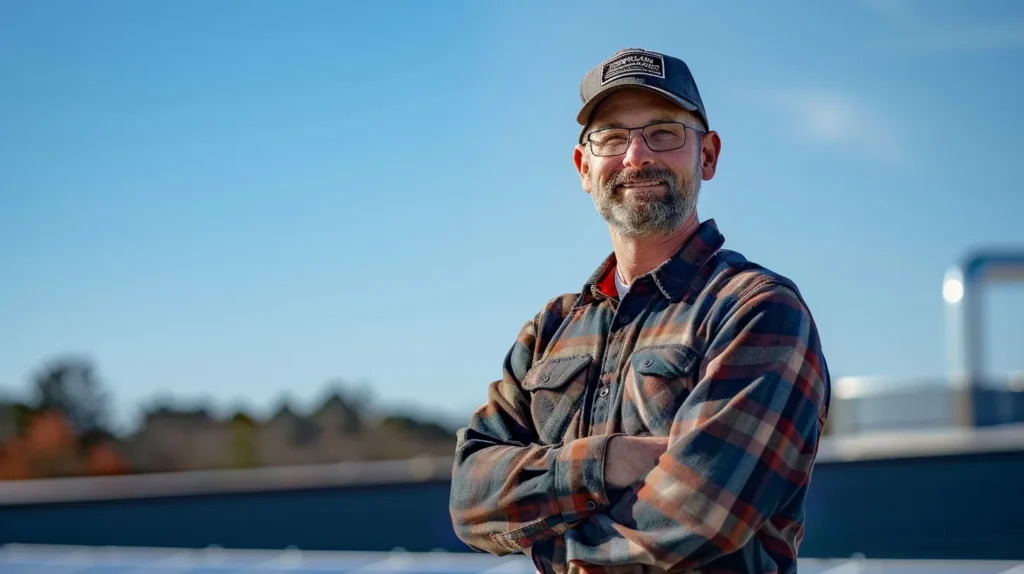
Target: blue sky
pixel 238 202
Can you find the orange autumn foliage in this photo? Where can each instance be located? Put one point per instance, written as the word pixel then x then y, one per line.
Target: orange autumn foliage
pixel 49 434
pixel 50 447
pixel 14 461
pixel 103 459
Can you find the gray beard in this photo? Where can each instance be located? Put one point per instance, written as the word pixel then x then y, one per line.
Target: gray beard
pixel 640 217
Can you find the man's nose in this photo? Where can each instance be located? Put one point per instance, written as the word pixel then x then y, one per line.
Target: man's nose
pixel 638 155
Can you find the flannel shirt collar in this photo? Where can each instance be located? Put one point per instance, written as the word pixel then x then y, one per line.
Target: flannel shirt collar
pixel 671 278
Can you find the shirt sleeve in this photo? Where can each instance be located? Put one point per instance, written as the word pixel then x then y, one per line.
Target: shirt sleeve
pixel 508 491
pixel 740 451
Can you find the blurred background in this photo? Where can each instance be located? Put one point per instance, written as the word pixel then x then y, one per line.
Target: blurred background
pixel 260 260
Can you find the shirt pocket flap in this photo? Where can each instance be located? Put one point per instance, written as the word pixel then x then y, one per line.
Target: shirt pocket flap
pixel 556 372
pixel 665 361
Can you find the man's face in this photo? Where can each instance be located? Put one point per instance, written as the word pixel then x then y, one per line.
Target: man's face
pixel 643 192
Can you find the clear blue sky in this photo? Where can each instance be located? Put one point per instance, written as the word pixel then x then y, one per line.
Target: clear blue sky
pixel 243 200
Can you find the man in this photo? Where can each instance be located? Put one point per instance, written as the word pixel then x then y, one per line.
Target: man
pixel 667 416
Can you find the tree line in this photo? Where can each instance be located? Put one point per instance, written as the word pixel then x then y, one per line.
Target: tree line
pixel 64 426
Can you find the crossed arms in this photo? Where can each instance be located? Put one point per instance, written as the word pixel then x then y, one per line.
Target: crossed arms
pixel 742 446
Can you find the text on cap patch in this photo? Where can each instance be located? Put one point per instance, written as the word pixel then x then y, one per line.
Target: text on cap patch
pixel 633 64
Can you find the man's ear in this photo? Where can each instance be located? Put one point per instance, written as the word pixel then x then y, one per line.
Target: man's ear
pixel 582 161
pixel 711 149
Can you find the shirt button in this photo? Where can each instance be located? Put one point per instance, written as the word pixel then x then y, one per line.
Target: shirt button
pixel 624 319
pixel 591 505
pixel 603 392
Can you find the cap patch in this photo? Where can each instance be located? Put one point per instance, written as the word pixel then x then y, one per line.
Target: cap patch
pixel 633 64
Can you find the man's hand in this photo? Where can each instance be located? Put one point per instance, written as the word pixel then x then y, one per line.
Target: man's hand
pixel 629 458
pixel 626 461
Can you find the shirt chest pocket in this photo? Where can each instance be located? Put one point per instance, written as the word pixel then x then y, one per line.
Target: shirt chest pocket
pixel 556 386
pixel 657 381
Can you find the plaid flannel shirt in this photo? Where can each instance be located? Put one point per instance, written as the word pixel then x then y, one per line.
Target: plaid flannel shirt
pixel 714 352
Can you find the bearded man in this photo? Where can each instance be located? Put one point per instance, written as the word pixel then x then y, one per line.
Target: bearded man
pixel 666 417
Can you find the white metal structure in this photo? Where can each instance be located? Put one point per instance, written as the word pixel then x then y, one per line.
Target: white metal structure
pixel 962 290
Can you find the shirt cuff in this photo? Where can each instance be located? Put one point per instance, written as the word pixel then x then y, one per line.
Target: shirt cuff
pixel 579 477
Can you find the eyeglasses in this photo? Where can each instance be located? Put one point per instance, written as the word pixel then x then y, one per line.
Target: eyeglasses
pixel 662 136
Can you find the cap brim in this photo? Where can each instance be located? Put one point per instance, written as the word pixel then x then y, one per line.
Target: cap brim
pixel 583 117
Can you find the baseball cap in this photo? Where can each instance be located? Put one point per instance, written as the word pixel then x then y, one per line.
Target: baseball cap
pixel 639 68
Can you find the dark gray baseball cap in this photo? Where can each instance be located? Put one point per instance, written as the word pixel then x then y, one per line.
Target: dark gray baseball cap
pixel 638 68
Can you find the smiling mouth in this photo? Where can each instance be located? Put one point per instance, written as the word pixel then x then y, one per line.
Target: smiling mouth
pixel 642 184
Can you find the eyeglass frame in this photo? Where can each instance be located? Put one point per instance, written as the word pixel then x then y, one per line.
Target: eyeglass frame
pixel 629 137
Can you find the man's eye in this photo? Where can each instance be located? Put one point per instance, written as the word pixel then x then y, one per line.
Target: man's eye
pixel 666 136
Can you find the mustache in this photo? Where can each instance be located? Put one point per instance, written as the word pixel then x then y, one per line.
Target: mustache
pixel 629 175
